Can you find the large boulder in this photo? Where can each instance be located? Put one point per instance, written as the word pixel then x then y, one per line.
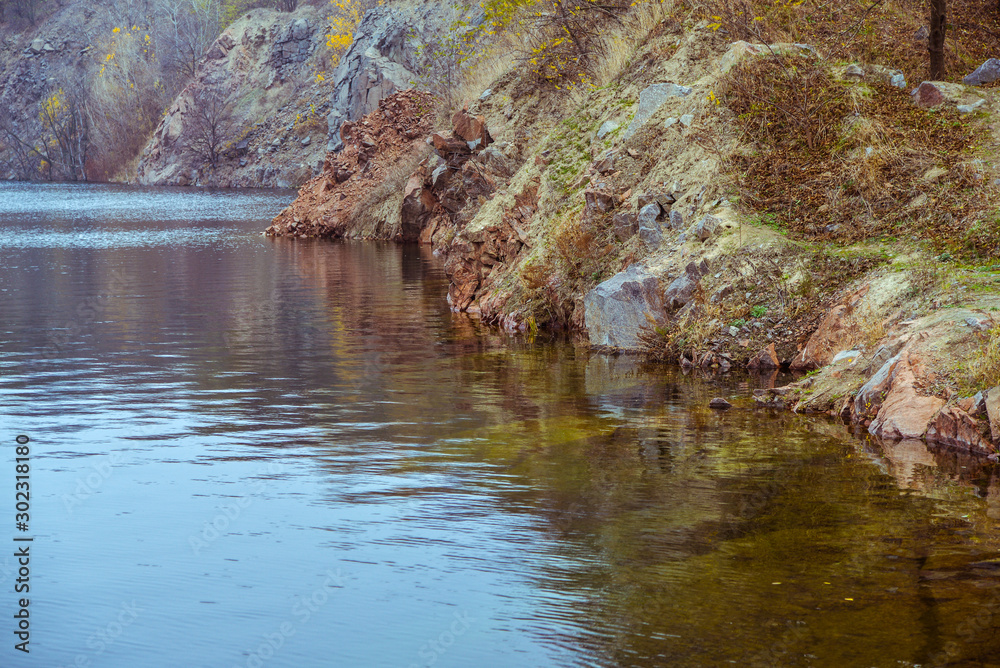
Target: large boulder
pixel 616 310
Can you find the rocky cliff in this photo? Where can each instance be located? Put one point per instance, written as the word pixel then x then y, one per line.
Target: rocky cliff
pixel 653 212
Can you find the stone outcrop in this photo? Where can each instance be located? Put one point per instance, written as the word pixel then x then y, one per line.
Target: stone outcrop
pixel 256 64
pixel 616 309
pixel 388 51
pixel 904 413
pixel 650 101
pixel 682 289
pixel 836 332
pixel 326 204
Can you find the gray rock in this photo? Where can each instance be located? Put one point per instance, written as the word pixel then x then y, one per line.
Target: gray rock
pixel 670 122
pixel 898 80
pixel 625 225
pixel 969 108
pixel 607 127
pixel 615 310
pixel 854 72
pixel 682 289
pixel 649 214
pixel 389 46
pixel 846 355
pixel 438 172
pixel 649 229
pixel 306 141
pixel 977 324
pixel 706 227
pixel 870 393
pixel 719 403
pixel 986 73
pixel 486 93
pixel 676 220
pixel 993 412
pixel 650 100
pixel 687 120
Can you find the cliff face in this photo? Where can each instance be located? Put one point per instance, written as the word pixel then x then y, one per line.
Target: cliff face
pixel 271 127
pixel 284 105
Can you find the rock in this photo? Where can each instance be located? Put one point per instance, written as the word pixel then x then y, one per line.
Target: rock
pixel 471 129
pixel 921 34
pixel 687 120
pixel 767 358
pixel 670 122
pixel 388 47
pixel 977 324
pixel 598 201
pixel 969 108
pixel 835 333
pixel 934 174
pixel 934 93
pixel 854 72
pixel 849 355
pixel 665 200
pixel 719 403
pixel 607 127
pixel 676 220
pixel 706 227
pixel 992 404
pixel 485 94
pixel 606 164
pixel 955 427
pixel 650 100
pixel 306 141
pixel 625 225
pixel 649 229
pixel 904 413
pixel 886 75
pixel 615 310
pixel 418 205
pixel 986 73
pixel 682 289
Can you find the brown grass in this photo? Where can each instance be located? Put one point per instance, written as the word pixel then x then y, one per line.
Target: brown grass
pixel 842 161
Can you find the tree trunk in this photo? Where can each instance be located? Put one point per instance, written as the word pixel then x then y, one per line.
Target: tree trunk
pixel 935 43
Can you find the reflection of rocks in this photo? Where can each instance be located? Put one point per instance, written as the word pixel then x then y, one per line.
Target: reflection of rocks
pixel 908 462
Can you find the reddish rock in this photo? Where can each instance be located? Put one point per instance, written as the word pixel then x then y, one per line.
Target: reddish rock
pixel 765 359
pixel 992 403
pixel 904 413
pixel 471 128
pixel 955 427
pixel 927 95
pixel 835 333
pixel 598 201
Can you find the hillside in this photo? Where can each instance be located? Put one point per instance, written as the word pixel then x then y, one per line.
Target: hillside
pixel 719 192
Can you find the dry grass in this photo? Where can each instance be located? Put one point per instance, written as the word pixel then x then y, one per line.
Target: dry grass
pixel 843 161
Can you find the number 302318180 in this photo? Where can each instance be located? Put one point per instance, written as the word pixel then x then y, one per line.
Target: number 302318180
pixel 22 485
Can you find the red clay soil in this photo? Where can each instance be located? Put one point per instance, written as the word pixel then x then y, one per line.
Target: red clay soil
pixel 372 147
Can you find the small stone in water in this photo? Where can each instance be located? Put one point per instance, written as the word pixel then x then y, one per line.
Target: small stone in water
pixel 719 402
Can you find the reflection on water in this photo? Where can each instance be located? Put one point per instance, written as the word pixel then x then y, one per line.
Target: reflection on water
pixel 292 454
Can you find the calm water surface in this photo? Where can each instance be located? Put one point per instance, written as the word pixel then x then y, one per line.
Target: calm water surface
pixel 250 452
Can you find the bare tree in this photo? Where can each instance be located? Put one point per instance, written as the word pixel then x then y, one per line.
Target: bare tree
pixel 935 42
pixel 191 27
pixel 208 124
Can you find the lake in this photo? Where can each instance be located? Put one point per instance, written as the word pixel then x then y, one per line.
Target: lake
pixel 249 451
